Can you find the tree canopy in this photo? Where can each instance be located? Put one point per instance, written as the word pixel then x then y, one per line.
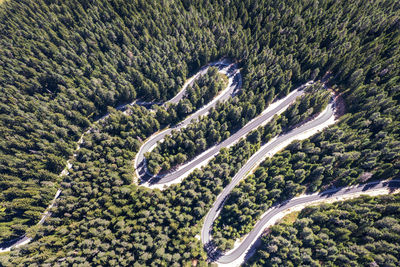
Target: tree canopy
pixel 64 64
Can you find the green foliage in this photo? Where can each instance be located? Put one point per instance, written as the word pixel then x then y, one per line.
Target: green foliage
pixel 363 231
pixel 223 121
pixel 111 220
pixel 346 154
pixel 164 157
pixel 63 67
pixel 62 63
pixel 309 105
pixel 260 190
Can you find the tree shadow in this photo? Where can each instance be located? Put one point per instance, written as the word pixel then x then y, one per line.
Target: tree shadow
pixel 213 252
pixel 13 242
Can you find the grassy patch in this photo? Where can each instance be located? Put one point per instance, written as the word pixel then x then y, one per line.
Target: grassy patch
pixel 221 75
pixel 290 218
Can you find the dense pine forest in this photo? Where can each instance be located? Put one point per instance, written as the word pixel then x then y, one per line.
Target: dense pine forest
pixel 65 64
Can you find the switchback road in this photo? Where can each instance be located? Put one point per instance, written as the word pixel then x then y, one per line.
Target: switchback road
pixel 266 150
pixel 234 84
pixel 236 256
pixel 177 175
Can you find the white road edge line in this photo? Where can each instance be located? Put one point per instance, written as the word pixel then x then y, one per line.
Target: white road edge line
pixel 274 220
pixel 304 135
pixel 163 186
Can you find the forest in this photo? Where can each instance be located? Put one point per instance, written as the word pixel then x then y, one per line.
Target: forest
pixel 339 156
pixel 199 93
pixel 203 89
pixel 64 64
pixel 359 232
pixel 182 146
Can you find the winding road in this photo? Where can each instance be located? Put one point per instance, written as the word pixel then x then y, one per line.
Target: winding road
pixel 224 66
pixel 175 176
pixel 234 85
pixel 247 247
pixel 304 131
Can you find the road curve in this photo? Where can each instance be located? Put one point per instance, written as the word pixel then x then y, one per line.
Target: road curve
pixel 221 64
pixel 234 84
pixel 6 246
pixel 302 132
pixel 177 175
pixel 248 245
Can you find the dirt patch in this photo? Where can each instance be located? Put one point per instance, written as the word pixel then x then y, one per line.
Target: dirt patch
pixel 340 109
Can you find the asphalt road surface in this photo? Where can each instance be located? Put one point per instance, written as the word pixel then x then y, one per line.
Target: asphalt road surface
pixel 250 241
pixel 231 69
pixel 6 246
pixel 248 166
pixel 207 155
pixel 249 244
pixel 235 82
